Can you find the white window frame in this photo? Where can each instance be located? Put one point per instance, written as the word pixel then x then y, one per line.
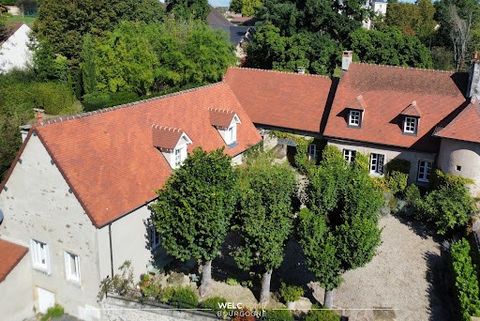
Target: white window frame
pixel 232 134
pixel 40 255
pixel 410 125
pixel 349 155
pixel 377 163
pixel 154 237
pixel 312 152
pixel 72 263
pixel 424 170
pixel 179 155
pixel 355 118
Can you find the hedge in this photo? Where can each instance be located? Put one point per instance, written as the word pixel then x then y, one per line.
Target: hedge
pixel 466 281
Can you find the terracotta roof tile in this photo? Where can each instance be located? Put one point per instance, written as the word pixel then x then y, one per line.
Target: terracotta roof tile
pixel 281 99
pixel 466 126
pixel 10 256
pixel 388 90
pixel 165 138
pixel 109 160
pixel 411 110
pixel 221 118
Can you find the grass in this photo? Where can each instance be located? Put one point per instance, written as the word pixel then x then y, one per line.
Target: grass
pixel 28 20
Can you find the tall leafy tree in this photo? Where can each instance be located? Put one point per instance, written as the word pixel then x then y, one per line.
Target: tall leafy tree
pixel 89 76
pixel 63 23
pixel 389 46
pixel 265 218
pixel 339 229
pixel 188 9
pixel 193 210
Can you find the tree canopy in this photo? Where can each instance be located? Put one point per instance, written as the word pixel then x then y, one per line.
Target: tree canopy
pixel 265 217
pixel 339 228
pixel 193 210
pixel 188 9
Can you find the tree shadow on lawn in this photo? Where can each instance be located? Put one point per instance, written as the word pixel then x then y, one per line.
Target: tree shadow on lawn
pixel 441 292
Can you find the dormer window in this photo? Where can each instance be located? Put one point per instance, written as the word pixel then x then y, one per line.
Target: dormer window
pixel 410 125
pixel 226 122
pixel 355 111
pixel 411 117
pixel 172 143
pixel 354 118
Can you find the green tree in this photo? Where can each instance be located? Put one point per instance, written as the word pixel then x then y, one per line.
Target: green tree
pixel 236 6
pixel 250 7
pixel 193 210
pixel 63 23
pixel 265 217
pixel 188 9
pixel 89 76
pixel 339 229
pixel 389 46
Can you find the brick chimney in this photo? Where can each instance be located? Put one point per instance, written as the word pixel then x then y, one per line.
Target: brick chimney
pixel 473 91
pixel 347 58
pixel 39 113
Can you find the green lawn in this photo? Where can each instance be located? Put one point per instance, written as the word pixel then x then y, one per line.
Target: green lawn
pixel 28 20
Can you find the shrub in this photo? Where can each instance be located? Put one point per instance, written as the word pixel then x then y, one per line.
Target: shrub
pixel 214 303
pixel 290 293
pixel 181 297
pixel 232 281
pixel 322 315
pixel 97 101
pixel 398 165
pixel 466 281
pixel 121 284
pixel 149 286
pixel 397 171
pixel 55 98
pixel 278 315
pixel 54 312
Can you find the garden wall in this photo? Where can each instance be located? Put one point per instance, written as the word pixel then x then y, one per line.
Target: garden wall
pixel 119 309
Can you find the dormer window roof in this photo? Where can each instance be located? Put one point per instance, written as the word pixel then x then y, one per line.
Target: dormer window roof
pixel 355 111
pixel 358 103
pixel 172 142
pixel 411 118
pixel 225 121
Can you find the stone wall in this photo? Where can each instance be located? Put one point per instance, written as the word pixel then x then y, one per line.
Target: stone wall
pixel 120 309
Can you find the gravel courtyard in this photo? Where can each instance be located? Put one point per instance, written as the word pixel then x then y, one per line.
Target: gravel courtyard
pixel 408 276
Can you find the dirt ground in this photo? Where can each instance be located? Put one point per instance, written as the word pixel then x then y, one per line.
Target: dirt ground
pixel 408 280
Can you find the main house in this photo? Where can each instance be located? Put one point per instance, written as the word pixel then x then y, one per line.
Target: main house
pixel 75 201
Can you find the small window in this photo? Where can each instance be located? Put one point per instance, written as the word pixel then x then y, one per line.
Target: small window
pixel 377 162
pixel 349 155
pixel 354 118
pixel 459 168
pixel 179 156
pixel 312 152
pixel 232 134
pixel 154 237
pixel 72 267
pixel 40 255
pixel 410 125
pixel 424 169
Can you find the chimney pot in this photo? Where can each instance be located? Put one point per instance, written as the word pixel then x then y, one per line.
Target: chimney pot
pixel 39 114
pixel 347 59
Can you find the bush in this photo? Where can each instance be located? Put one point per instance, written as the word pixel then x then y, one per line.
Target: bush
pixel 466 281
pixel 278 315
pixel 55 98
pixel 322 315
pixel 397 171
pixel 54 312
pixel 214 303
pixel 232 281
pixel 181 297
pixel 290 293
pixel 150 287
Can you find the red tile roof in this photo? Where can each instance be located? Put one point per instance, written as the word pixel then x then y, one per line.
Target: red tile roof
pixel 221 118
pixel 412 110
pixel 165 138
pixel 358 103
pixel 466 126
pixel 108 157
pixel 281 99
pixel 10 256
pixel 387 91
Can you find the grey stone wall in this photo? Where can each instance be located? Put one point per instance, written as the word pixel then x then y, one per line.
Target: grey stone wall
pixel 119 309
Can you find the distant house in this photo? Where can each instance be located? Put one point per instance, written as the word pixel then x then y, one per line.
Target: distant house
pixel 14 50
pixel 379 7
pixel 237 34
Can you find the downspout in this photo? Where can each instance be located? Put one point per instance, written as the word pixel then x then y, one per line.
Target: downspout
pixel 111 248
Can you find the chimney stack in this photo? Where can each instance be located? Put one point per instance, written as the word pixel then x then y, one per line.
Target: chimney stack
pixel 39 113
pixel 347 58
pixel 473 91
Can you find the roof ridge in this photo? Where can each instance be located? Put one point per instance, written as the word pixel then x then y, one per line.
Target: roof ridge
pixel 167 128
pixel 221 110
pixel 278 71
pixel 471 104
pixel 60 119
pixel 403 67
